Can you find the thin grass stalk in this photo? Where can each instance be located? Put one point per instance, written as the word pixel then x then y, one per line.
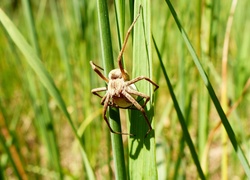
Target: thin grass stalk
pixel 10 147
pixel 44 77
pixel 15 156
pixel 77 5
pixel 1 170
pixel 131 10
pixel 52 146
pixel 181 118
pixel 183 92
pixel 31 26
pixel 224 86
pixel 203 97
pixel 216 128
pixel 114 116
pixel 50 136
pixel 225 122
pixel 120 19
pixel 43 121
pixel 177 173
pixel 215 10
pixel 63 53
pixel 84 52
pixel 241 63
pixel 211 55
pixel 142 161
pixel 6 147
pixel 182 140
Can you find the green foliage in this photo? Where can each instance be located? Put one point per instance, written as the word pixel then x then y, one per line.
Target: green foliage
pixel 51 126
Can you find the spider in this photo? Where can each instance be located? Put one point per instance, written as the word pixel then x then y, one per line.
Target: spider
pixel 120 90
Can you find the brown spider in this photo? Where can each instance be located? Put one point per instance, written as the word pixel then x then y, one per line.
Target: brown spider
pixel 120 91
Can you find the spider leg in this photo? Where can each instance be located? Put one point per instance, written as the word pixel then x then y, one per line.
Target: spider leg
pixel 119 59
pixel 139 107
pixel 111 104
pixel 95 68
pixel 96 90
pixel 129 107
pixel 105 107
pixel 103 99
pixel 142 78
pixel 132 91
pixel 91 62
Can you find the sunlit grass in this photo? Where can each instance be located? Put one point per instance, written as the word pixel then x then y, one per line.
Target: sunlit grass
pixel 51 126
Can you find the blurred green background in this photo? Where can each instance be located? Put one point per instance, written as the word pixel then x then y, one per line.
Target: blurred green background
pixel 37 142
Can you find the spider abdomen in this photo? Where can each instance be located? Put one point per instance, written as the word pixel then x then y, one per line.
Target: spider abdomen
pixel 120 99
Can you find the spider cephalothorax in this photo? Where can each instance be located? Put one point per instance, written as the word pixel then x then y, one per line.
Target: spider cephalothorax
pixel 121 91
pixel 117 74
pixel 118 88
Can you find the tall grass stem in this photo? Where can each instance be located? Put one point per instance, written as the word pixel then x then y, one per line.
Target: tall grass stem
pixel 225 122
pixel 114 117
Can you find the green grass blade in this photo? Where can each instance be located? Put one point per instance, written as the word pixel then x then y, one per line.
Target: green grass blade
pixel 43 75
pixel 63 52
pixel 33 60
pixel 9 148
pixel 120 19
pixel 31 25
pixel 51 141
pixel 114 117
pixel 1 171
pixel 181 118
pixel 6 148
pixel 212 94
pixel 181 152
pixel 204 19
pixel 142 162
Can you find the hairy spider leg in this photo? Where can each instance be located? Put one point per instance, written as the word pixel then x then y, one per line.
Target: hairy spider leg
pixel 142 78
pixel 95 68
pixel 96 90
pixel 104 98
pixel 97 65
pixel 132 91
pixel 105 107
pixel 139 107
pixel 119 59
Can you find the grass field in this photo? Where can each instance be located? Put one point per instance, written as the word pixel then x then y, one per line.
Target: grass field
pixel 51 125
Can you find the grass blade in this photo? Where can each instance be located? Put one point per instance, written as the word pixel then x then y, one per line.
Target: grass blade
pixel 114 117
pixel 50 134
pixel 32 60
pixel 142 162
pixel 181 118
pixel 63 52
pixel 212 94
pixel 44 77
pixel 6 140
pixel 224 88
pixel 120 19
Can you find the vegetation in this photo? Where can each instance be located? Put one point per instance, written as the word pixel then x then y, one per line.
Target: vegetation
pixel 51 126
